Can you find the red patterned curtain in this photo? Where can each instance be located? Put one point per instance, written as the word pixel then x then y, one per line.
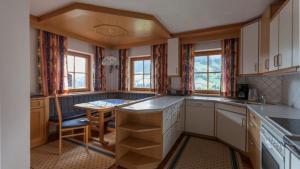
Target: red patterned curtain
pixel 123 69
pixel 230 67
pixel 100 81
pixel 51 62
pixel 159 60
pixel 187 66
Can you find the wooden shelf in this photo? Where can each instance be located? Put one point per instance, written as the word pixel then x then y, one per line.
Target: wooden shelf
pixel 138 144
pixel 137 161
pixel 135 127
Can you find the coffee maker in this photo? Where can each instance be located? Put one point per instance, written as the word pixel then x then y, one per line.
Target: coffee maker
pixel 242 91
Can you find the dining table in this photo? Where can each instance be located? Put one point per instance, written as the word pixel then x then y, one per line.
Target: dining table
pixel 96 112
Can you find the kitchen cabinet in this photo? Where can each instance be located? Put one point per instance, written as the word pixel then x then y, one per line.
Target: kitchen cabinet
pixel 173 57
pixel 38 121
pixel 147 135
pixel 264 41
pixel 273 43
pixel 254 139
pixel 250 48
pixel 291 160
pixel 281 38
pixel 231 122
pixel 286 36
pixel 296 32
pixel 200 117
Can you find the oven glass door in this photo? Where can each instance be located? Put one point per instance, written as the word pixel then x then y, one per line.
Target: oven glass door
pixel 268 161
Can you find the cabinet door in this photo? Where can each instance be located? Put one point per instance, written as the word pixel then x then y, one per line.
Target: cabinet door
pixel 200 118
pixel 296 32
pixel 274 25
pixel 295 162
pixel 231 128
pixel 37 127
pixel 286 36
pixel 250 45
pixel 173 57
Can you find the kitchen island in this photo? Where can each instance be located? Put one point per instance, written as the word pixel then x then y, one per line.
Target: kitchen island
pixel 146 131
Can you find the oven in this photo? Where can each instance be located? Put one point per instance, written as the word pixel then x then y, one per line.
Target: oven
pixel 272 151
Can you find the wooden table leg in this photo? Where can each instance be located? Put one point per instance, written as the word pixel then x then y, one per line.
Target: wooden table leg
pixel 101 128
pixel 88 114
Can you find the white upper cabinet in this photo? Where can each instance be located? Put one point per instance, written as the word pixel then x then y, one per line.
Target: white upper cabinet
pixel 286 36
pixel 173 57
pixel 296 34
pixel 250 49
pixel 281 38
pixel 273 53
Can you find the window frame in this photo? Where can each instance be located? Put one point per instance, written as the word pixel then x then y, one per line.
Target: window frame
pixel 207 54
pixel 132 60
pixel 87 69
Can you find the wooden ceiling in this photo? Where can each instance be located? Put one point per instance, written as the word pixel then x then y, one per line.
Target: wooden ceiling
pixel 106 27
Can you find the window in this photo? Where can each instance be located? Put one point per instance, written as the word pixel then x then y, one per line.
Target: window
pixel 208 72
pixel 140 73
pixel 78 68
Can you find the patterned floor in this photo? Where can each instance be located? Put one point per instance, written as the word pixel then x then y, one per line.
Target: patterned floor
pixel 74 157
pixel 198 153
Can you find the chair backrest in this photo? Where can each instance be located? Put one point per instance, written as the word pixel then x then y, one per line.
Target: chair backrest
pixel 58 109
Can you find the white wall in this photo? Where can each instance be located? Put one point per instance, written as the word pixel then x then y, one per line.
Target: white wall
pixel 15 86
pixel 290 90
pixel 79 46
pixel 208 45
pixel 140 51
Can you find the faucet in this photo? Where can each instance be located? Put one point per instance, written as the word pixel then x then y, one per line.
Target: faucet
pixel 263 99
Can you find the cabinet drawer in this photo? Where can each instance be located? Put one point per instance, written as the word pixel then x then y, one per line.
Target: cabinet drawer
pixel 197 103
pixel 37 104
pixel 228 107
pixel 167 119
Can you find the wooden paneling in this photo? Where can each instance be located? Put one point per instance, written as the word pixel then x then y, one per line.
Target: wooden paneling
pixel 81 21
pixel 38 121
pixel 254 139
pixel 214 33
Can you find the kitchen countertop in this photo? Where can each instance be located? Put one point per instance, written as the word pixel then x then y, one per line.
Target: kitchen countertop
pixel 153 105
pixel 262 111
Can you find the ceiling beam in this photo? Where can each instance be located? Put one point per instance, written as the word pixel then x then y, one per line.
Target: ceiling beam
pixel 101 9
pixel 35 24
pixel 207 31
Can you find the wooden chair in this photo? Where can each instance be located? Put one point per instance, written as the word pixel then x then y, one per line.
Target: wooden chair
pixel 71 126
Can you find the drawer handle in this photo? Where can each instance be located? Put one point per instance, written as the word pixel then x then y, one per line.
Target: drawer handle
pixel 243 122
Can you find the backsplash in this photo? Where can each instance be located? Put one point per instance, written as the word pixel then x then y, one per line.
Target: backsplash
pixel 291 90
pixel 268 86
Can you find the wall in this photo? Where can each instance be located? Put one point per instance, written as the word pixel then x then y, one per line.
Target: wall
pixel 74 45
pixel 112 75
pixel 201 46
pixel 291 90
pixel 208 45
pixel 15 85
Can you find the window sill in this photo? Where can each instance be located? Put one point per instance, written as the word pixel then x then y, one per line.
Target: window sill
pixel 205 94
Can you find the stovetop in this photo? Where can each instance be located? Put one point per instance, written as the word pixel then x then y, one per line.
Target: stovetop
pixel 290 125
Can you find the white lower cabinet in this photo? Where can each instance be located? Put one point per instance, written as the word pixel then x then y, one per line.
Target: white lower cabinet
pixel 200 117
pixel 291 160
pixel 231 128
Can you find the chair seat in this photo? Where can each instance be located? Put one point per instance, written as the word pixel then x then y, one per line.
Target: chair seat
pixel 69 116
pixel 75 123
